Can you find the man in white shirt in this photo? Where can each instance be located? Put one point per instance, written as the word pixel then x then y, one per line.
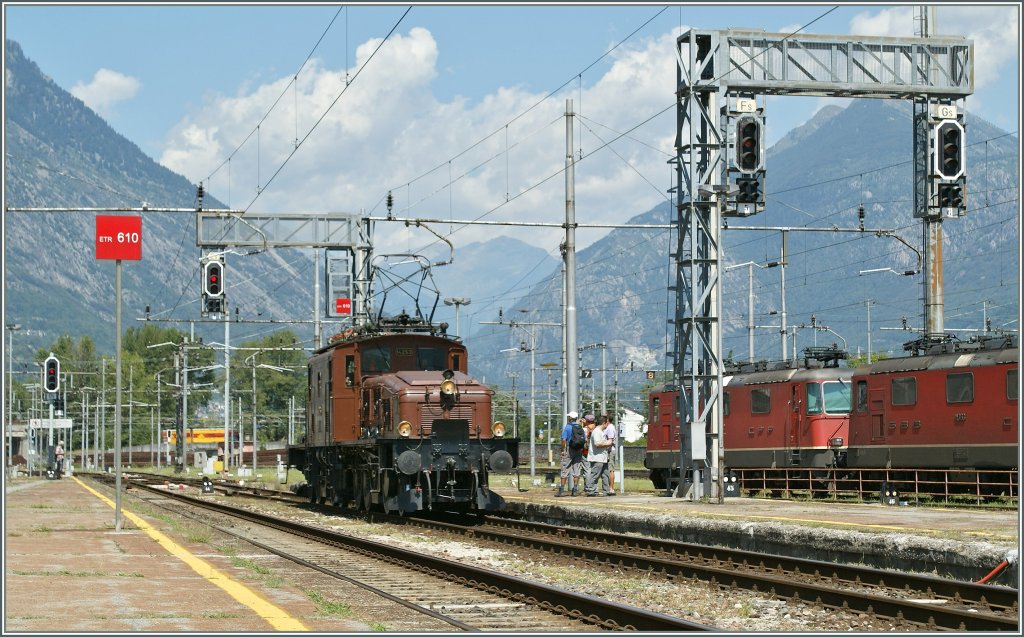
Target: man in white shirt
pixel 611 434
pixel 598 457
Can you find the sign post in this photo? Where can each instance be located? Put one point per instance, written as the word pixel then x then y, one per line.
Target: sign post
pixel 118 237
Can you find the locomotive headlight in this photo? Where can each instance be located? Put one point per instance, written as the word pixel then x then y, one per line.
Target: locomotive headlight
pixel 835 442
pixel 405 429
pixel 448 387
pixel 498 429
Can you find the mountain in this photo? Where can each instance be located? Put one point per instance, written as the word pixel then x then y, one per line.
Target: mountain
pixel 61 154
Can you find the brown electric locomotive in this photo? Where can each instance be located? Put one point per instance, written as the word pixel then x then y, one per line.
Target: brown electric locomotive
pixel 394 423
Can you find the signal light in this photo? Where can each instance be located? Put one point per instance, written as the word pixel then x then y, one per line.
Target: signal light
pixel 949 149
pixel 748 144
pixel 951 196
pixel 52 366
pixel 749 190
pixel 213 279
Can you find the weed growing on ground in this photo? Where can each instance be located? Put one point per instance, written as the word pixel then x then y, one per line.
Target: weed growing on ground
pixel 250 565
pixel 327 607
pixel 198 535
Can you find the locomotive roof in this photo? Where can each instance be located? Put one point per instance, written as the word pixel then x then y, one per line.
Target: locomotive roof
pixel 363 338
pixel 790 374
pixel 951 360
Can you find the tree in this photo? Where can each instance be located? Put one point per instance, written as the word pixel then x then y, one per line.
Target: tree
pixel 274 389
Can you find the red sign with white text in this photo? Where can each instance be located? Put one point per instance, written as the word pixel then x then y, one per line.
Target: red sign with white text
pixel 343 306
pixel 118 237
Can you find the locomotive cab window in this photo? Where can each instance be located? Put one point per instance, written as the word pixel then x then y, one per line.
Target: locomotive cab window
pixel 1011 384
pixel 430 359
pixel 725 403
pixel 904 391
pixel 837 397
pixel 960 388
pixel 813 398
pixel 760 401
pixel 376 360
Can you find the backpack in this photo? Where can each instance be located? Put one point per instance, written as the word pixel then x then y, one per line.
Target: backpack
pixel 578 438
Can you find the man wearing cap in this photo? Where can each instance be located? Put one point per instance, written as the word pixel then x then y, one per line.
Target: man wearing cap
pixel 571 459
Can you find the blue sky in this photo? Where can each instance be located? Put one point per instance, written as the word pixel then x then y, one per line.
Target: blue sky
pixel 189 83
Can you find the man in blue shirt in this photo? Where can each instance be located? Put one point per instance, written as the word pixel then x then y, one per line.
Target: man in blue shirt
pixel 571 458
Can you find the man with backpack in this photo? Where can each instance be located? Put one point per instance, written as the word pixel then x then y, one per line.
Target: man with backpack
pixel 573 442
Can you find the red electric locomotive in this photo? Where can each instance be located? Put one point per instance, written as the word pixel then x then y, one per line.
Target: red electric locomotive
pixel 394 423
pixel 955 407
pixel 773 417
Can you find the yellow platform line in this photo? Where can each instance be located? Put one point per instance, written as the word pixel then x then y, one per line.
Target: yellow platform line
pixel 275 616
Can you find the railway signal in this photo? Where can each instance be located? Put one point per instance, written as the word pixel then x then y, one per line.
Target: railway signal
pixel 949 149
pixel 213 286
pixel 52 367
pixel 213 279
pixel 749 143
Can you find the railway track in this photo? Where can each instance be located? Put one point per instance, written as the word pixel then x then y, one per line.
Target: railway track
pixel 928 602
pixel 911 600
pixel 433 586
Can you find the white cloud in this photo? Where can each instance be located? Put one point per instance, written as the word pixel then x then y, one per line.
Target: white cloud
pixel 494 157
pixel 106 89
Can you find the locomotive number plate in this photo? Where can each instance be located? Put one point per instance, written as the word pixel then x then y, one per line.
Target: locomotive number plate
pixel 403 351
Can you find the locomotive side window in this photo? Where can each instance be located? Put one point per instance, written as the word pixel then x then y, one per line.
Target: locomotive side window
pixel 904 391
pixel 376 360
pixel 725 403
pixel 655 401
pixel 456 362
pixel 813 398
pixel 760 401
pixel 960 388
pixel 350 370
pixel 837 397
pixel 1011 384
pixel 862 395
pixel 430 359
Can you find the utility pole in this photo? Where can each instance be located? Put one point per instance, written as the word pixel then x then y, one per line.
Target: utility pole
pixel 572 372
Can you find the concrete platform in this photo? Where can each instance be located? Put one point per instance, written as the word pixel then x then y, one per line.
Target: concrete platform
pixel 66 569
pixel 960 543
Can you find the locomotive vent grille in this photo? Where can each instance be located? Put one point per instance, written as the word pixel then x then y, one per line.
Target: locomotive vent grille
pixel 428 412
